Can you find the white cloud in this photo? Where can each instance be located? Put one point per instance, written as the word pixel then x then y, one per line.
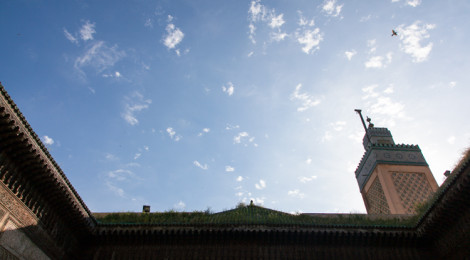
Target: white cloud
pixel 148 23
pixel 365 18
pixel 278 36
pixel 413 3
pixel 239 178
pixel 261 185
pixel 137 155
pixel 296 194
pixel 99 56
pixel 173 134
pixel 116 74
pixel 198 164
pixel 383 105
pixel 229 168
pixel 452 84
pixel 338 125
pixel 327 136
pixel 228 89
pixel 110 157
pixel 370 91
pixel 389 90
pixel 118 191
pixel 87 31
pixel 305 179
pixel 180 205
pixel 204 131
pixel 308 161
pixel 305 22
pixel 277 21
pixel 238 138
pixel 230 127
pixel 331 8
pixel 306 100
pixel 174 35
pixel 412 36
pixel 47 140
pixel 371 44
pixel 120 175
pixel 310 39
pixel 350 54
pixel 260 13
pixel 70 37
pixel 133 104
pixel 374 62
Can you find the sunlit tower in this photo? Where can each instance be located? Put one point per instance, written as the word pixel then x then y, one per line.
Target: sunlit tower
pixel 393 178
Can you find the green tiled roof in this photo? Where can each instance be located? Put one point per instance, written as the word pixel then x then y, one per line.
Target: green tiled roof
pixel 251 215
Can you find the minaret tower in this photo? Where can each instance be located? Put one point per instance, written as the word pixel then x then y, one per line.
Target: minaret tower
pixel 393 179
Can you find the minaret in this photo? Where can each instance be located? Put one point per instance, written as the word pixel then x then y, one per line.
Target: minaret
pixel 393 179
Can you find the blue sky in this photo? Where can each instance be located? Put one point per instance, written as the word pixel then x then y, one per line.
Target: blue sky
pixel 187 105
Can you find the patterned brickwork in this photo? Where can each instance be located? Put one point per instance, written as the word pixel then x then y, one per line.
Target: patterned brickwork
pixel 376 199
pixel 412 188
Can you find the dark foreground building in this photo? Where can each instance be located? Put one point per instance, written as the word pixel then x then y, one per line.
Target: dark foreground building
pixel 43 217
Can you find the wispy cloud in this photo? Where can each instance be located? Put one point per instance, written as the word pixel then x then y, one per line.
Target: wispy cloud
pixel 382 104
pixel 242 136
pixel 307 101
pixel 173 35
pixel 204 131
pixel 412 3
pixel 115 189
pixel 412 36
pixel 116 74
pixel 120 174
pixel 70 37
pixel 260 185
pixel 331 8
pixel 173 134
pixel 47 140
pixel 231 127
pixel 259 13
pixel 229 168
pixel 305 179
pixel 87 31
pixel 228 89
pixel 198 164
pixel 180 205
pixel 374 62
pixel 240 178
pixel 310 39
pixel 338 125
pixel 350 54
pixel 99 56
pixel 377 61
pixel 134 104
pixel 296 194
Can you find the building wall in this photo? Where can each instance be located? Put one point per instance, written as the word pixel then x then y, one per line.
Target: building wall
pixel 15 218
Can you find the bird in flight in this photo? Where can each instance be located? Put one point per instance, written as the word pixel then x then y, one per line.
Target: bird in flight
pixel 394 33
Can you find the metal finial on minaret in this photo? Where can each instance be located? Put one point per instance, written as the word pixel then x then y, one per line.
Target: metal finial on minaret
pixel 364 123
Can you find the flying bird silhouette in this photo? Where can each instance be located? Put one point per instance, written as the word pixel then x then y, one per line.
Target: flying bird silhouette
pixel 394 33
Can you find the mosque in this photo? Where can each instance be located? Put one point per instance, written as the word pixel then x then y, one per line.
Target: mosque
pixel 408 215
